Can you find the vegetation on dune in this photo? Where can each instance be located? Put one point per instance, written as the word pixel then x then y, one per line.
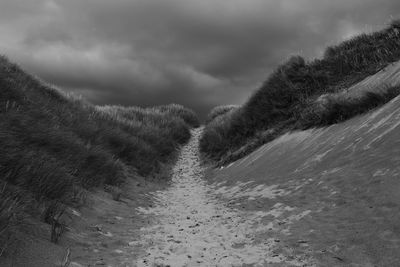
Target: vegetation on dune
pixel 284 101
pixel 159 129
pixel 12 214
pixel 55 145
pixel 332 109
pixel 188 115
pixel 220 110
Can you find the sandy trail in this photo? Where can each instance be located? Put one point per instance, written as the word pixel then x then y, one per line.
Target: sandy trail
pixel 192 225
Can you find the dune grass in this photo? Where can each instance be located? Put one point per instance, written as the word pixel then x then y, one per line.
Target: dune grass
pixel 12 213
pixel 284 98
pixel 186 114
pixel 219 110
pixel 54 144
pixel 334 109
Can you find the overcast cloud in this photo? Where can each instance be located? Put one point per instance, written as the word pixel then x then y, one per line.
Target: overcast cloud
pixel 196 53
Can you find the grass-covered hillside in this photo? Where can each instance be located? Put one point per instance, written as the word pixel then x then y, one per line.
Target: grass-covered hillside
pixel 219 111
pixel 55 146
pixel 290 98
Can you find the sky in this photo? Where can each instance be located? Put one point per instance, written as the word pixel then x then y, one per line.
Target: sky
pixel 197 53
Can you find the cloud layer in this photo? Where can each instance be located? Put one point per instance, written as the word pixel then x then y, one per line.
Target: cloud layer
pixel 197 53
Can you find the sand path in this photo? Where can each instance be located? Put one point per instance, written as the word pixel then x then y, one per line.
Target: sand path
pixel 192 225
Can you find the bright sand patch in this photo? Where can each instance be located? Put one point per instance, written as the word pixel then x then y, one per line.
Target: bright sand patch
pixel 193 225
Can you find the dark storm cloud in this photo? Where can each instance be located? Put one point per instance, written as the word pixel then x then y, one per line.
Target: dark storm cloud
pixel 197 53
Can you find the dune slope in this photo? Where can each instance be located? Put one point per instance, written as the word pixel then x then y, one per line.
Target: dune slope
pixel 56 149
pixel 343 182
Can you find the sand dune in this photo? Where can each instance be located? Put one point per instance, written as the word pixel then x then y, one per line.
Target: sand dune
pixel 344 179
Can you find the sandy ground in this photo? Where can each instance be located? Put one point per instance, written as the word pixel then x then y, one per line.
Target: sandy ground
pixel 195 223
pixel 191 221
pixel 325 197
pixel 102 233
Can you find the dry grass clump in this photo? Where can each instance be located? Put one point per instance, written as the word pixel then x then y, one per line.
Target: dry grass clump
pixel 285 97
pixel 54 144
